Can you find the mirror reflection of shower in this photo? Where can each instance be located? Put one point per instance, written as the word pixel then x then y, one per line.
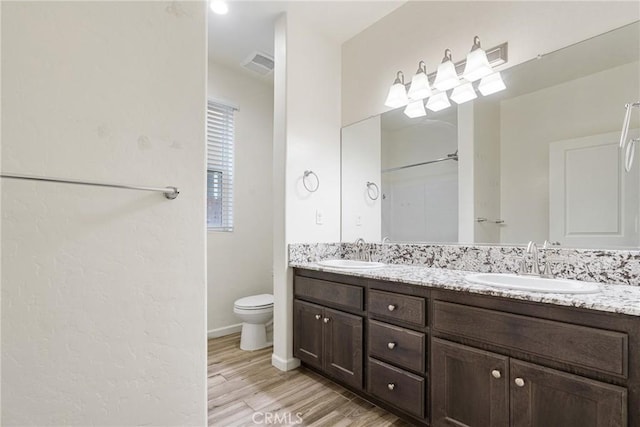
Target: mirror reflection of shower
pixel 420 177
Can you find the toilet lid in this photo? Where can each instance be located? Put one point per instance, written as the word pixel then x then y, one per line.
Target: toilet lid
pixel 255 301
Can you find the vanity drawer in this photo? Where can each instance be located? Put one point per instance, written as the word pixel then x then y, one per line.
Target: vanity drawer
pixel 397 345
pixel 404 308
pixel 330 293
pixel 398 387
pixel 596 349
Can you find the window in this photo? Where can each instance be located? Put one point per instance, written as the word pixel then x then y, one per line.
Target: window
pixel 219 167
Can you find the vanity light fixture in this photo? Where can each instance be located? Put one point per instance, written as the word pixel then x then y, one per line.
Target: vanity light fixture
pixel 438 102
pixel 219 7
pixel 397 96
pixel 463 93
pixel 420 88
pixel 477 65
pixel 491 84
pixel 415 109
pixel 446 77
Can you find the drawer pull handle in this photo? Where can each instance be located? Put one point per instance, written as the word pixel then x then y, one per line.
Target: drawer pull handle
pixel 391 386
pixel 519 382
pixel 318 317
pixel 326 320
pixel 391 345
pixel 391 307
pixel 496 374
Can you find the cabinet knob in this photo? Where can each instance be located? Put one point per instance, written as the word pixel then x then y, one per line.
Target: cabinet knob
pixel 391 307
pixel 391 345
pixel 496 374
pixel 318 317
pixel 391 386
pixel 325 320
pixel 519 382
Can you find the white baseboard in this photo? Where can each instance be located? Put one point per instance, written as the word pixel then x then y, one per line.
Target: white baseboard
pixel 227 330
pixel 284 364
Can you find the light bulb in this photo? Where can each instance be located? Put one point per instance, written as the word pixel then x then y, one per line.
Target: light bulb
pixel 491 84
pixel 438 102
pixel 219 7
pixel 415 109
pixel 477 65
pixel 463 93
pixel 446 76
pixel 419 88
pixel 397 96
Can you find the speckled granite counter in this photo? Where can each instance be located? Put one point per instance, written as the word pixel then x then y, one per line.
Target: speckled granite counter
pixel 611 298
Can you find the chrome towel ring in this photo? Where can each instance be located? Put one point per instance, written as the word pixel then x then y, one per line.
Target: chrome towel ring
pixel 370 187
pixel 304 181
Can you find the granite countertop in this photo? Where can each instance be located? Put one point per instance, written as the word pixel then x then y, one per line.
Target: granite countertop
pixel 611 298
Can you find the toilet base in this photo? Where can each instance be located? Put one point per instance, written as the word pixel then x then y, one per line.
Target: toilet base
pixel 254 337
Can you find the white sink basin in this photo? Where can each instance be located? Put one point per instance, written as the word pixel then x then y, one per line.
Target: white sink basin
pixel 533 283
pixel 349 264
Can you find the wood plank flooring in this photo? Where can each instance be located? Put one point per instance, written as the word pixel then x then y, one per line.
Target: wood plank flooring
pixel 245 390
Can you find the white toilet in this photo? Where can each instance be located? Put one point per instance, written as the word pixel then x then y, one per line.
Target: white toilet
pixel 256 312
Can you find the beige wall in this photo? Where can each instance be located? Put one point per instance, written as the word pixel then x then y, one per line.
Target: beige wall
pixel 421 30
pixel 103 290
pixel 240 263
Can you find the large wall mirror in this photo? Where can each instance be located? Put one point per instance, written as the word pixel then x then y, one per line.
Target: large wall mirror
pixel 537 161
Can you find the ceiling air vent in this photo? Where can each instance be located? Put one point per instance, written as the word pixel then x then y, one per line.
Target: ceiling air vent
pixel 259 62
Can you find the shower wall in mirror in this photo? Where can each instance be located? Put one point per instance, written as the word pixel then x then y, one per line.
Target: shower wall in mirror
pixel 538 161
pixel 420 177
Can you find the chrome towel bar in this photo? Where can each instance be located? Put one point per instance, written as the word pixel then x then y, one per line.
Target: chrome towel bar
pixel 169 192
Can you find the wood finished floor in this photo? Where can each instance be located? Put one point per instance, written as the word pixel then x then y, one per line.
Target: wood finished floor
pixel 244 388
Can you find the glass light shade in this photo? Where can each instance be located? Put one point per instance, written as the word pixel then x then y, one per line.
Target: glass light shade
pixel 415 109
pixel 219 7
pixel 446 77
pixel 491 84
pixel 419 88
pixel 397 96
pixel 438 102
pixel 463 93
pixel 477 65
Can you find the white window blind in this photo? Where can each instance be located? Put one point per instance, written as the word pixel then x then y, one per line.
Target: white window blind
pixel 219 167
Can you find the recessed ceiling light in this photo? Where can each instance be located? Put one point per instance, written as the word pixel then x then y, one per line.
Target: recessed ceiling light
pixel 220 7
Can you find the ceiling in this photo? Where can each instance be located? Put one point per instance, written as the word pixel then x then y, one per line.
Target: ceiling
pixel 248 27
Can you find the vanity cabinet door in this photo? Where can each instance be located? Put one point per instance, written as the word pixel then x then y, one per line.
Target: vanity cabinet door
pixel 542 397
pixel 307 332
pixel 470 387
pixel 343 358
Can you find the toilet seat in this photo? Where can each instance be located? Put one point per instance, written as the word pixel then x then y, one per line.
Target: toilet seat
pixel 255 302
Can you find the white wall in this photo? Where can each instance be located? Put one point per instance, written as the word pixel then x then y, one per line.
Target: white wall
pixel 422 30
pixel 531 121
pixel 103 290
pixel 361 157
pixel 240 263
pixel 306 137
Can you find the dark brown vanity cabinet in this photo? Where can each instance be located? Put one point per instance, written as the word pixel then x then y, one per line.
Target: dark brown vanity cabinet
pixel 327 339
pixel 397 350
pixel 451 358
pixel 473 387
pixel 504 363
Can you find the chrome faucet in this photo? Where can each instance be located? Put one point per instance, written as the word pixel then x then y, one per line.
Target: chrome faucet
pixel 532 249
pixel 385 240
pixel 360 248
